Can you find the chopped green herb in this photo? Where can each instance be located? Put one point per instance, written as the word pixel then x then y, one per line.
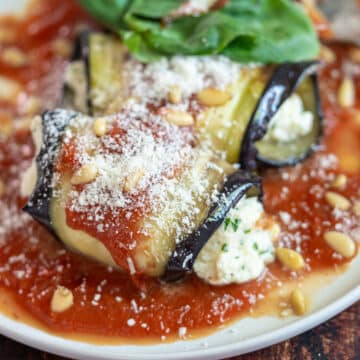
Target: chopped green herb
pixel 224 247
pixel 247 231
pixel 256 246
pixel 227 222
pixel 235 224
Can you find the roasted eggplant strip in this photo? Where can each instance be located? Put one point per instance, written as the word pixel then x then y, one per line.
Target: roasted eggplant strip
pixel 235 187
pixel 76 88
pixel 287 79
pixel 53 125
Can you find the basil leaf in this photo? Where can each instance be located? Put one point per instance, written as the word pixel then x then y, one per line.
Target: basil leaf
pixel 154 9
pixel 266 31
pixel 109 12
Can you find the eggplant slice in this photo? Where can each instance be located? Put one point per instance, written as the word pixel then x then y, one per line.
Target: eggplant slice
pixel 235 187
pixel 93 80
pixel 256 150
pixel 76 85
pixel 53 124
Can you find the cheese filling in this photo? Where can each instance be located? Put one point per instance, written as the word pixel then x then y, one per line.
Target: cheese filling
pixel 291 121
pixel 240 249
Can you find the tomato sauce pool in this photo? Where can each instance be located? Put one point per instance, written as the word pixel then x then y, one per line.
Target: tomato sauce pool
pixel 106 303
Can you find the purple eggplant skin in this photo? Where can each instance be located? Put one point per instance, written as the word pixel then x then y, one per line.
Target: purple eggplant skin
pixel 54 124
pixel 236 186
pixel 283 83
pixel 81 52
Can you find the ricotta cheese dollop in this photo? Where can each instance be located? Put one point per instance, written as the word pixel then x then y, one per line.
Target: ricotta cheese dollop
pixel 240 249
pixel 291 121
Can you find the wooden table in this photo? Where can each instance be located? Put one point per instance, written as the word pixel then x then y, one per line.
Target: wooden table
pixel 338 339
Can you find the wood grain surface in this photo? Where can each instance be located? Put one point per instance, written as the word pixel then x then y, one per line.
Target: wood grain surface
pixel 337 339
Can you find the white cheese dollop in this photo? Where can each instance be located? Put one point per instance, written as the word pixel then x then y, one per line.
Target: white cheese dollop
pixel 239 250
pixel 291 121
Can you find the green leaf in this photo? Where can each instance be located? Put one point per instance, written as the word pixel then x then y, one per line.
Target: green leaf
pixel 266 31
pixel 154 9
pixel 109 12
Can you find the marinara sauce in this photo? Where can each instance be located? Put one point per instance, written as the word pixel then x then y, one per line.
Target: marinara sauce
pixel 106 302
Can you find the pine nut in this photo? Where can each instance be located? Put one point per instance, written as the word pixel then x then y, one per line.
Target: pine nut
pixel 62 47
pixel 31 106
pixel 213 97
pixel 7 35
pixel 356 208
pixel 132 181
pixel 339 182
pixel 355 55
pixel 346 93
pixel 340 242
pixel 9 89
pixel 337 201
pixel 6 124
pixel 290 259
pixel 298 302
pixel 356 117
pixel 327 54
pixel 14 57
pixel 23 123
pixel 100 127
pixel 2 188
pixel 179 118
pixel 62 299
pixel 175 95
pixel 86 174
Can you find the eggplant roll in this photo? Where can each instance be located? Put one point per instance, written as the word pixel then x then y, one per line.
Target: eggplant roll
pixel 270 115
pixel 122 189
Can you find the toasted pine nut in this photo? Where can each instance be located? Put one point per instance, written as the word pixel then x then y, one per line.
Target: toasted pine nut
pixel 7 35
pixel 6 124
pixel 23 123
pixel 340 242
pixel 290 259
pixel 179 118
pixel 298 302
pixel 86 174
pixel 14 57
pixel 62 299
pixel 175 95
pixel 356 208
pixel 2 188
pixel 346 93
pixel 100 127
pixel 132 181
pixel 213 97
pixel 31 106
pixel 339 182
pixel 356 117
pixel 355 55
pixel 327 54
pixel 62 47
pixel 9 89
pixel 337 201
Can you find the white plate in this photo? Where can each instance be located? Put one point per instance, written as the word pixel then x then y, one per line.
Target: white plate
pixel 245 336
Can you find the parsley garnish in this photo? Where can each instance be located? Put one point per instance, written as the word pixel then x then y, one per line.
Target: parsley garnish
pixel 256 246
pixel 224 247
pixel 248 231
pixel 233 222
